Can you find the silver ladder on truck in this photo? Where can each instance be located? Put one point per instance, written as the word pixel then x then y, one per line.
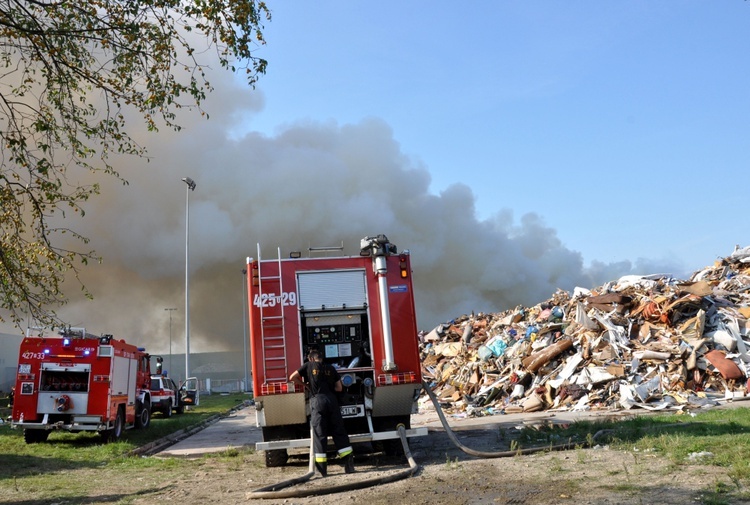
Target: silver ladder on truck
pixel 271 309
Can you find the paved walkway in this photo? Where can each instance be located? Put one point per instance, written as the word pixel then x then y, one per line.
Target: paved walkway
pixel 239 429
pixel 235 430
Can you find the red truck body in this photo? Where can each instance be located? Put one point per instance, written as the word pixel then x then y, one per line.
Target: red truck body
pixel 359 312
pixel 76 382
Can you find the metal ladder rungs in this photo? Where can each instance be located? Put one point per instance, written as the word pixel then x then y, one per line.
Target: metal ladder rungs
pixel 278 342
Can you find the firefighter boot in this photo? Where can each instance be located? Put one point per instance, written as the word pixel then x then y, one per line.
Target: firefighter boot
pixel 349 463
pixel 321 469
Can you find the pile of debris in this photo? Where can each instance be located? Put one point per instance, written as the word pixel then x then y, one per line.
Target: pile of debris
pixel 651 341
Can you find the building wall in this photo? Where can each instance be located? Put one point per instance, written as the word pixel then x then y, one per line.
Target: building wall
pixel 9 345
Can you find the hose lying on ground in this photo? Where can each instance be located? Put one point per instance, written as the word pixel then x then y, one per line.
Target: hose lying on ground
pixel 500 454
pixel 272 491
pixel 291 482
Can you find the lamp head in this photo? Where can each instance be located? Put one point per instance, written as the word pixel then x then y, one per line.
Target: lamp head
pixel 190 182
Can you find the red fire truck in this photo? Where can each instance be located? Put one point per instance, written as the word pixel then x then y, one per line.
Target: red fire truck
pixel 76 381
pixel 359 312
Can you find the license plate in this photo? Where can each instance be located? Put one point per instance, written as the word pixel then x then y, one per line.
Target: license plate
pixel 349 410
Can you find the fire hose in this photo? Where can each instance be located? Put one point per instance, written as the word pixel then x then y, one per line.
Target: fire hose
pixel 499 454
pixel 276 490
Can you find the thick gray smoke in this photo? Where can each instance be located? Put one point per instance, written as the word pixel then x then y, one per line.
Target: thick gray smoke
pixel 311 184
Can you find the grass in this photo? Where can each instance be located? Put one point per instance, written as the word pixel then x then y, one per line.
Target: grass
pixel 32 472
pixel 86 450
pixel 717 437
pixel 70 467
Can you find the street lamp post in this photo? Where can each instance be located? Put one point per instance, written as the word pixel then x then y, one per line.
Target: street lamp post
pixel 170 337
pixel 190 187
pixel 244 322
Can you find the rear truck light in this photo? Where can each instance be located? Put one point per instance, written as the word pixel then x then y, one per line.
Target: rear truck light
pixel 256 275
pixel 101 378
pixel 390 379
pixel 275 388
pixel 402 266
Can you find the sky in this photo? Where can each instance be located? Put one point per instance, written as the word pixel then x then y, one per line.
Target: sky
pixel 514 148
pixel 618 123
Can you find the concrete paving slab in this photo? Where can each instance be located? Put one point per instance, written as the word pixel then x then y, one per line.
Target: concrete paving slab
pixel 236 430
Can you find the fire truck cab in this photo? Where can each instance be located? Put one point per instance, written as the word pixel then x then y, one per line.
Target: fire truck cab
pixel 76 381
pixel 358 311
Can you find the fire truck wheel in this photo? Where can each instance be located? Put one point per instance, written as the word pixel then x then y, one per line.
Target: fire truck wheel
pixel 115 433
pixel 143 416
pixel 34 436
pixel 276 457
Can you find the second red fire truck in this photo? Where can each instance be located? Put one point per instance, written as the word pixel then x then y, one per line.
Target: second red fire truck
pixel 76 381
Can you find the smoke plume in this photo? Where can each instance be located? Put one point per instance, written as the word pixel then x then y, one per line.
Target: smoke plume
pixel 312 183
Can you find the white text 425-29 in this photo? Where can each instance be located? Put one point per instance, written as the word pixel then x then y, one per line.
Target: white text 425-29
pixel 272 299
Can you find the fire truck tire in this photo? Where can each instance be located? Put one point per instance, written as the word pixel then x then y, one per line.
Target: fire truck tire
pixel 114 434
pixel 142 416
pixel 276 457
pixel 35 436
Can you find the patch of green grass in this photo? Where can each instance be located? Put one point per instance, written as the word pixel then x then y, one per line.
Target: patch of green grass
pixel 65 450
pixel 70 466
pixel 451 465
pixel 719 495
pixel 555 465
pixel 717 437
pixel 581 456
pixel 721 432
pixel 568 487
pixel 626 487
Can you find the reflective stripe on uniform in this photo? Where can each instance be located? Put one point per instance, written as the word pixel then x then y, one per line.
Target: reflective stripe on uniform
pixel 321 458
pixel 345 451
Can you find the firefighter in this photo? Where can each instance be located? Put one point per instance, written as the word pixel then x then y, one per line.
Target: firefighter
pixel 323 381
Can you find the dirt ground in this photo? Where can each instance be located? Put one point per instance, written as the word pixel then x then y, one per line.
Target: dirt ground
pixel 447 475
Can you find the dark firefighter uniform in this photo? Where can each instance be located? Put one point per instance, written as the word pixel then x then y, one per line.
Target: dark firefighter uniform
pixel 323 381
